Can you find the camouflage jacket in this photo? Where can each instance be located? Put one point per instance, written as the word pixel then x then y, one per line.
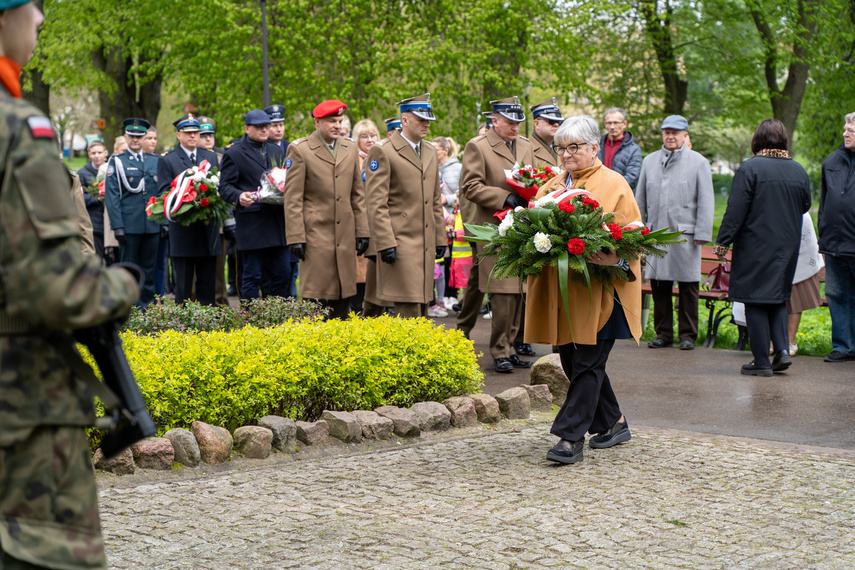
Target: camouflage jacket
pixel 46 282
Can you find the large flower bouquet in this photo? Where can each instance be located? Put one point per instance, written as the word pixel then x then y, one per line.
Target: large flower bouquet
pixel 563 229
pixel 525 180
pixel 272 188
pixel 192 197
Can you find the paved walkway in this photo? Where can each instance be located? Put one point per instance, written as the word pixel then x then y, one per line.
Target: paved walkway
pixel 488 499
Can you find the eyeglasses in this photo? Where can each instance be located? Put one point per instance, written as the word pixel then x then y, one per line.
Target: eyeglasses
pixel 554 123
pixel 570 149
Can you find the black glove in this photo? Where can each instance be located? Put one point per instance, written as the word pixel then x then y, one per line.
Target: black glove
pixel 388 255
pixel 120 236
pixel 440 251
pixel 229 236
pixel 134 270
pixel 298 250
pixel 372 258
pixel 361 245
pixel 164 232
pixel 514 201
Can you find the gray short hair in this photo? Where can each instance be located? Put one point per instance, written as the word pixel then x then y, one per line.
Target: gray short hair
pixel 849 118
pixel 578 129
pixel 615 110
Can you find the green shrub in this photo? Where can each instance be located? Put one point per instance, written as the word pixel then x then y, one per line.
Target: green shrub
pixel 298 369
pixel 191 316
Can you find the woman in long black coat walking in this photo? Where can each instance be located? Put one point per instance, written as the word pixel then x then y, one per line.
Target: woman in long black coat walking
pixel 763 221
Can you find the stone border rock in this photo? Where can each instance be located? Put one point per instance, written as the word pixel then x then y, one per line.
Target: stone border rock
pixel 213 445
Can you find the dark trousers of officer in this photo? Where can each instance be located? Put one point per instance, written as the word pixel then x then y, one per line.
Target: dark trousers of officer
pixel 161 268
pixel 99 244
pixel 410 310
pixel 266 272
pixel 220 288
pixel 520 338
pixel 203 268
pixel 506 309
pixel 338 308
pixel 687 311
pixel 141 249
pixel 473 298
pixel 591 405
pixel 765 323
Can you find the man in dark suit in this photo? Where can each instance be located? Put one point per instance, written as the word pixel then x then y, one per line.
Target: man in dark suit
pixel 260 227
pixel 94 206
pixel 277 139
pixel 193 248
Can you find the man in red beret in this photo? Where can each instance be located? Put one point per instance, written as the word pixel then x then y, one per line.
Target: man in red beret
pixel 326 226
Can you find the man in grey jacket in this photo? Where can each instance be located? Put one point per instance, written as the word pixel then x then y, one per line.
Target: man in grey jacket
pixel 675 190
pixel 618 149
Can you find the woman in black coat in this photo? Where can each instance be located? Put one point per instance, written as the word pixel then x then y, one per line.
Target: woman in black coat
pixel 763 221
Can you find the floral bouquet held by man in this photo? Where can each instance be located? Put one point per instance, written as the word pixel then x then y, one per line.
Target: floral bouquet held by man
pixel 272 188
pixel 96 189
pixel 526 180
pixel 192 197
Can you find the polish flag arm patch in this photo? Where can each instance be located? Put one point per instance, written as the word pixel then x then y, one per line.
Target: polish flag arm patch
pixel 40 127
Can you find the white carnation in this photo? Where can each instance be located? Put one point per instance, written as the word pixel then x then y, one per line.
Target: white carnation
pixel 542 243
pixel 198 176
pixel 519 209
pixel 545 200
pixel 215 179
pixel 506 224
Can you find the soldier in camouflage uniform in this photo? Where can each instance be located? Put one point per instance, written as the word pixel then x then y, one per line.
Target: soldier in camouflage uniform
pixel 48 497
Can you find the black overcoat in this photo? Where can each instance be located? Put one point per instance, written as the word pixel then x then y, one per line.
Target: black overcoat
pixel 199 239
pixel 763 221
pixel 259 225
pixel 88 175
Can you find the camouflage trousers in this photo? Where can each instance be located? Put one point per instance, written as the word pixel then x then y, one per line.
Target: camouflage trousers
pixel 49 502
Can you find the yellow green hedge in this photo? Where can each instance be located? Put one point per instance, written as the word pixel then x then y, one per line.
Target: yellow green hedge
pixel 298 369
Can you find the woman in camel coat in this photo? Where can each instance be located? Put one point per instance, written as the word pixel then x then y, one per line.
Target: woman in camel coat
pixel 597 320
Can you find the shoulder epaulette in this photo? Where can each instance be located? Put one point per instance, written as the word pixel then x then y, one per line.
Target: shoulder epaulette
pixel 382 142
pixel 298 141
pixel 522 137
pixel 478 138
pixel 164 153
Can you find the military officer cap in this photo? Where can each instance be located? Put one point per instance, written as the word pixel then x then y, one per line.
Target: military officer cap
pixel 488 118
pixel 418 106
pixel 187 124
pixel 547 110
pixel 256 117
pixel 207 125
pixel 509 108
pixel 136 127
pixel 330 108
pixel 9 4
pixel 393 124
pixel 276 113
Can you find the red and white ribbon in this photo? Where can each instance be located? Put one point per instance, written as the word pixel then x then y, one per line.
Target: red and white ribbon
pixel 183 184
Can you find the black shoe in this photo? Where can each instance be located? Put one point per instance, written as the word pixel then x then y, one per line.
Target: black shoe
pixel 231 292
pixel 484 310
pixel 503 365
pixel 687 345
pixel 755 370
pixel 837 356
pixel 456 307
pixel 781 361
pixel 524 349
pixel 566 452
pixel 658 343
pixel 618 434
pixel 518 362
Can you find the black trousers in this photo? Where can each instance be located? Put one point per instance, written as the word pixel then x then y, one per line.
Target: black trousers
pixel 663 310
pixel 765 323
pixel 591 405
pixel 142 250
pixel 205 270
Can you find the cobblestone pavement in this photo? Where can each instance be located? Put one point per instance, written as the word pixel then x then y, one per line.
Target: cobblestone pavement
pixel 490 500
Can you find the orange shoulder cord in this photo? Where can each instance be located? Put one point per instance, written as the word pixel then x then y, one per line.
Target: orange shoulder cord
pixel 10 76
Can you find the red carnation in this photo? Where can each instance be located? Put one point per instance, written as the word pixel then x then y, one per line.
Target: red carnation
pixel 616 232
pixel 645 230
pixel 203 187
pixel 576 246
pixel 592 203
pixel 204 202
pixel 567 207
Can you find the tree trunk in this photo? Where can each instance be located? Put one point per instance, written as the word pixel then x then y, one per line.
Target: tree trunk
pixel 130 99
pixel 659 31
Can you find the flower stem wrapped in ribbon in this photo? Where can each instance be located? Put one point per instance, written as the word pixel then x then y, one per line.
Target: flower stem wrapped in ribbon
pixel 193 197
pixel 563 229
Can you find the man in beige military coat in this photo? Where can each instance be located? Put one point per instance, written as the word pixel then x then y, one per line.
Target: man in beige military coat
pixel 482 181
pixel 405 210
pixel 547 119
pixel 325 220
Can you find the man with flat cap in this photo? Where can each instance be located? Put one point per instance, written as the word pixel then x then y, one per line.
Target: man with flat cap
pixel 405 210
pixel 193 248
pixel 131 180
pixel 393 124
pixel 547 119
pixel 675 190
pixel 277 127
pixel 260 230
pixel 483 182
pixel 325 217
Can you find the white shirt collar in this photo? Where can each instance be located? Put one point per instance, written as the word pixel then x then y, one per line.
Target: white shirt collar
pixel 412 144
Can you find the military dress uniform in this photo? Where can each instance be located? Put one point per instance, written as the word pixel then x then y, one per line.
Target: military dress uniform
pixel 131 181
pixel 405 213
pixel 483 182
pixel 48 497
pixel 193 248
pixel 325 211
pixel 542 150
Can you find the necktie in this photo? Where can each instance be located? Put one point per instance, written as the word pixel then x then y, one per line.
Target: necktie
pixel 419 151
pixel 193 157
